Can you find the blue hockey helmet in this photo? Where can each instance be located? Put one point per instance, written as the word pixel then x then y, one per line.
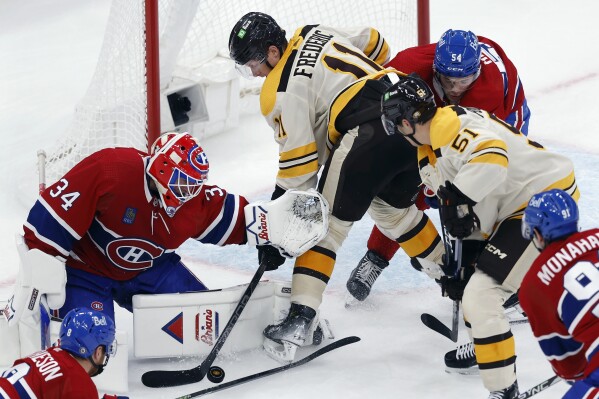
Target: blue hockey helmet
pixel 457 54
pixel 553 213
pixel 84 329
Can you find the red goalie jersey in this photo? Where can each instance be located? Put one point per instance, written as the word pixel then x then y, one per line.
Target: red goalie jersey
pixel 103 218
pixel 497 90
pixel 560 295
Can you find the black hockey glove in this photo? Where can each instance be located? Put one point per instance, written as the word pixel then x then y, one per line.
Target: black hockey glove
pixel 453 287
pixel 457 214
pixel 271 256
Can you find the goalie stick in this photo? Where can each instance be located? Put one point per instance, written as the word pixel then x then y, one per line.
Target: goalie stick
pixel 325 349
pixel 171 378
pixel 540 387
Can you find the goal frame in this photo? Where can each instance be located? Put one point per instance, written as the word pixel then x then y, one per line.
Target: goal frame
pixel 153 62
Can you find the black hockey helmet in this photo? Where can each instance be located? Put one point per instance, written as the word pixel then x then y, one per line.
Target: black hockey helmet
pixel 410 99
pixel 252 35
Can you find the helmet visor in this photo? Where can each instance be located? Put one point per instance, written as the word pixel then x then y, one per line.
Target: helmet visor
pixel 527 231
pixel 250 69
pixel 111 349
pixel 451 83
pixel 388 125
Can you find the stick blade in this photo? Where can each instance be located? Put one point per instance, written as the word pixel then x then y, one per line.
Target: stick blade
pixel 171 378
pixel 434 324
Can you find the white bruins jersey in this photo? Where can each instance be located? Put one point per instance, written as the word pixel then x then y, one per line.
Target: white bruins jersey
pixel 318 63
pixel 492 163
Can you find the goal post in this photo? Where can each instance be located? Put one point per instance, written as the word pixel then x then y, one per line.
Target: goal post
pixel 164 66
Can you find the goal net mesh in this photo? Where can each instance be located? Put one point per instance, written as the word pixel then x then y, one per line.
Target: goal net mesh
pixel 112 113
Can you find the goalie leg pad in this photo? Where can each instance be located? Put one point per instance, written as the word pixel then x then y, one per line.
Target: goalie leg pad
pixel 9 337
pixel 167 325
pixel 39 273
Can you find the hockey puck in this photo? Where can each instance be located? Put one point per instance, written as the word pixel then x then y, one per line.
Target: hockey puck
pixel 216 375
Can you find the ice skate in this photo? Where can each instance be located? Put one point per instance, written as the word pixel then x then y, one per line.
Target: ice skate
pixel 364 275
pixel 513 311
pixel 510 392
pixel 461 360
pixel 301 327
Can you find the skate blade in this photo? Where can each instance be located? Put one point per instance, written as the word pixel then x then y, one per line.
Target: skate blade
pixel 283 353
pixel 469 371
pixel 513 316
pixel 350 302
pixel 326 329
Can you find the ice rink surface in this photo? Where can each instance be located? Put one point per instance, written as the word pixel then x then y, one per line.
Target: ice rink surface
pixel 49 49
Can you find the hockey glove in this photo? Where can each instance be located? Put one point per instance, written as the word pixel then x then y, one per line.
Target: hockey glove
pixel 457 214
pixel 453 287
pixel 430 198
pixel 271 256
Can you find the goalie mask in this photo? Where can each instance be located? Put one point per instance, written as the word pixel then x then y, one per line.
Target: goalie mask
pixel 179 167
pixel 83 330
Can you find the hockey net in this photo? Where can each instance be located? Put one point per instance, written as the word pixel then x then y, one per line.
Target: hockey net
pixel 193 37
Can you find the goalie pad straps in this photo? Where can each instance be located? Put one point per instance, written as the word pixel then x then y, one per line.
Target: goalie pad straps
pixel 39 274
pixel 293 223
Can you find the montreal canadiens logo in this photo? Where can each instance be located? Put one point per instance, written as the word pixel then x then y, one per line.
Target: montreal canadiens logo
pixel 199 160
pixel 132 253
pixel 99 306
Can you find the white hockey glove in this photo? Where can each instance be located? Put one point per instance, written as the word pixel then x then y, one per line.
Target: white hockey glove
pixel 292 223
pixel 432 269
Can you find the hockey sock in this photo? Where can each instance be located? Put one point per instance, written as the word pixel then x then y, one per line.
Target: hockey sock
pixel 382 245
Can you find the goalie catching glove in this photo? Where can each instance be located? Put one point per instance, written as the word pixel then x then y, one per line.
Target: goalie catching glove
pixel 457 214
pixel 290 224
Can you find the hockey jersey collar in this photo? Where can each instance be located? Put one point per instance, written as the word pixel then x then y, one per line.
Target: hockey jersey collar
pixel 445 126
pixel 148 192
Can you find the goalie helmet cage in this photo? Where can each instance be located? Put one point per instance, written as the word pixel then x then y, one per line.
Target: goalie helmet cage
pixel 164 66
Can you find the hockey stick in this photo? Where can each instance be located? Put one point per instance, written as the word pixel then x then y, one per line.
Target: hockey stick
pixel 431 321
pixel 171 378
pixel 333 345
pixel 540 387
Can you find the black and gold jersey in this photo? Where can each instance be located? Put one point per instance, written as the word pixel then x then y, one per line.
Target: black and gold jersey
pixel 318 63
